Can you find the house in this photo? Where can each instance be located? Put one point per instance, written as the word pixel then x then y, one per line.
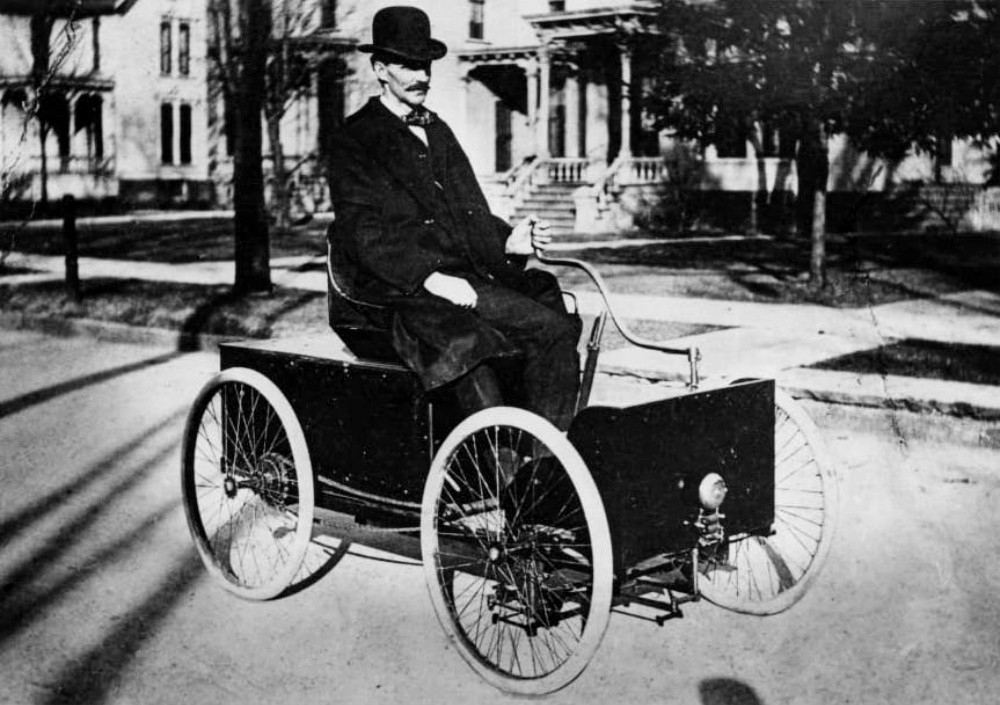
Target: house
pixel 546 96
pixel 104 100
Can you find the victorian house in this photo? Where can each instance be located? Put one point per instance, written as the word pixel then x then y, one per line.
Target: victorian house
pixel 546 96
pixel 104 100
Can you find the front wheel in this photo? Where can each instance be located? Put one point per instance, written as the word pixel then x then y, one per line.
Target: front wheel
pixel 516 551
pixel 247 484
pixel 765 575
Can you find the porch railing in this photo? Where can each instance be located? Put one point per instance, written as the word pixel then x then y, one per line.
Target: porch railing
pixel 642 170
pixel 629 171
pixel 548 170
pixel 567 170
pixel 55 164
pixel 522 179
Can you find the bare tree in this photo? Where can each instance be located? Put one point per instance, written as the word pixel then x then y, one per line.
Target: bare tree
pixel 240 40
pixel 289 78
pixel 49 54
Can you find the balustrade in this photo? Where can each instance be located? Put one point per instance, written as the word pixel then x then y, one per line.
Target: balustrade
pixel 56 164
pixel 567 170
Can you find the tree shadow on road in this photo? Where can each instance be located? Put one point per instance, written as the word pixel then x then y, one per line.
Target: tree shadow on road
pixel 21 603
pixel 92 677
pixel 40 396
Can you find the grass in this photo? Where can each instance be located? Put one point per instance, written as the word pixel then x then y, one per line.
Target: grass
pixel 863 270
pixel 215 310
pixel 187 307
pixel 181 241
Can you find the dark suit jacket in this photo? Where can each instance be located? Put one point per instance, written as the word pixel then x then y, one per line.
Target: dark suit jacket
pixel 402 211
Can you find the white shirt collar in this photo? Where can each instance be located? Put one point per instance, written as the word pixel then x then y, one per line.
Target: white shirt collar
pixel 401 110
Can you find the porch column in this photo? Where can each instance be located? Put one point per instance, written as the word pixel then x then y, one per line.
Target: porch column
pixel 67 159
pixel 531 70
pixel 465 80
pixel 3 130
pixel 544 80
pixel 625 53
pixel 573 114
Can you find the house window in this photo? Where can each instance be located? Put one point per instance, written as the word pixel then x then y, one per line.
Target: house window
pixel 167 133
pixel 165 47
pixel 184 49
pixel 557 5
pixel 185 127
pixel 476 19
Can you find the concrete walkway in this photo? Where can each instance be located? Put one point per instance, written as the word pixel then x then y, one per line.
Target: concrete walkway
pixel 757 339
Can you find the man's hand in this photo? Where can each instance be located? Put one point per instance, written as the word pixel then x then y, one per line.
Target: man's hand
pixel 527 236
pixel 454 289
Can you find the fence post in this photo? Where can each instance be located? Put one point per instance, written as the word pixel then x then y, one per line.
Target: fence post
pixel 71 247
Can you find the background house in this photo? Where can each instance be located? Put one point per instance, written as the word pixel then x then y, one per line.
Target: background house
pixel 104 100
pixel 547 96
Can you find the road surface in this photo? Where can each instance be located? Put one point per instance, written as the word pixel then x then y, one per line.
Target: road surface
pixel 103 600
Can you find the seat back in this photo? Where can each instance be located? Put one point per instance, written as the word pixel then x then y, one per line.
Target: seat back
pixel 363 326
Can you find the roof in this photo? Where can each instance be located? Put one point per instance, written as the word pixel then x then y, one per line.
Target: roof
pixel 66 8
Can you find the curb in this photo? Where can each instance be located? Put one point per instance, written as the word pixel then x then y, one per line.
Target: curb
pixel 919 395
pixel 112 332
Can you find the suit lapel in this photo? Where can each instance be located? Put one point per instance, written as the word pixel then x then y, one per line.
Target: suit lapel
pixel 397 150
pixel 438 145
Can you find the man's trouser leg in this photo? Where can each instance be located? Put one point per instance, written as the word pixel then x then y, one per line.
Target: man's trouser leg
pixel 477 390
pixel 538 324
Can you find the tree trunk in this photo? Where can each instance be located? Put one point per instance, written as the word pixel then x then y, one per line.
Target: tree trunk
pixel 253 265
pixel 817 250
pixel 814 167
pixel 43 172
pixel 281 204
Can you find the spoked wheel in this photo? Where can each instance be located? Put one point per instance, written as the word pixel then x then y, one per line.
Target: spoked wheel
pixel 516 551
pixel 768 574
pixel 247 484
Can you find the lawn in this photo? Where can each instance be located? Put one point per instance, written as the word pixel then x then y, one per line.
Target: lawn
pixel 189 240
pixel 863 269
pixel 215 310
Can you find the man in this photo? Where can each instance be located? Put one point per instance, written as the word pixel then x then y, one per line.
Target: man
pixel 414 236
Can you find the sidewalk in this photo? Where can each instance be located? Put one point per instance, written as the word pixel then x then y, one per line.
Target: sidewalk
pixel 757 339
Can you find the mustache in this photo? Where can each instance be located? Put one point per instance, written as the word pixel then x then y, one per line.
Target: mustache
pixel 419 85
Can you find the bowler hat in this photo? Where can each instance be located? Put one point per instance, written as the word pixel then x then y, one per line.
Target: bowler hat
pixel 404 32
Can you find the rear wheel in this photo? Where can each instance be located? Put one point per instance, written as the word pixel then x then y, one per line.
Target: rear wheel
pixel 768 574
pixel 247 484
pixel 516 551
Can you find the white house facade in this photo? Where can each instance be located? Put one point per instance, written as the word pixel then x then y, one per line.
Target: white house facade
pixel 122 105
pixel 545 95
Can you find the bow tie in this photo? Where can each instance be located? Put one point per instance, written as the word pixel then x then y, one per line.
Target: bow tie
pixel 419 117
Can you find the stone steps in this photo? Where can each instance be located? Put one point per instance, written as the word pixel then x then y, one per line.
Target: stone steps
pixel 551 202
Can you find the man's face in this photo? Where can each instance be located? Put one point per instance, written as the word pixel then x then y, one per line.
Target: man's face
pixel 407 81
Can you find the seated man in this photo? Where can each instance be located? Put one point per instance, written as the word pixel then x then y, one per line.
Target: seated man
pixel 414 235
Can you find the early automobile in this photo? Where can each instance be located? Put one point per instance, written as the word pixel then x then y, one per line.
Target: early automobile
pixel 529 537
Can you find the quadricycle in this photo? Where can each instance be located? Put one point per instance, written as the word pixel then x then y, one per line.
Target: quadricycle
pixel 530 538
